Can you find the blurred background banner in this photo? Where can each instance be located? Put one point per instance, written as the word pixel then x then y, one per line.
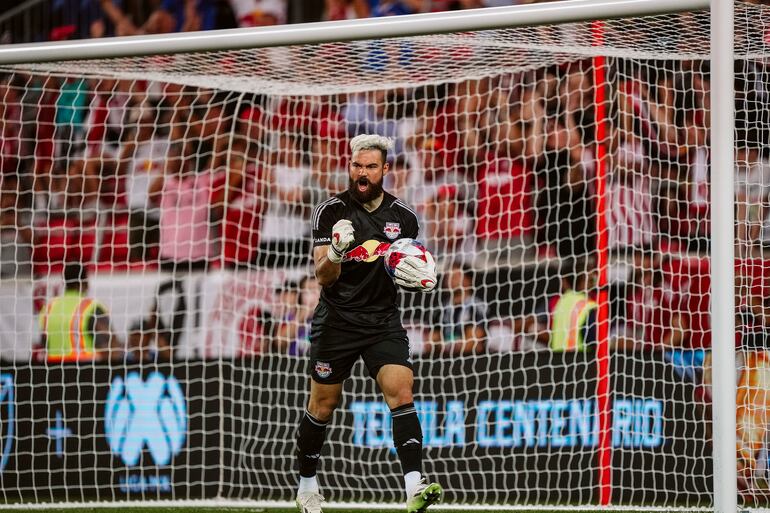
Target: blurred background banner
pixel 112 432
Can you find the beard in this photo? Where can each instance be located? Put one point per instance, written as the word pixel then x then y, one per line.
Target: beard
pixel 373 190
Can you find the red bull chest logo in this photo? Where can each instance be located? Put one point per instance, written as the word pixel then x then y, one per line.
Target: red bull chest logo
pixel 392 230
pixel 369 251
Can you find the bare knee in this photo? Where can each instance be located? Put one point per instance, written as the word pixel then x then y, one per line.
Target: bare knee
pixel 322 406
pixel 399 397
pixel 322 409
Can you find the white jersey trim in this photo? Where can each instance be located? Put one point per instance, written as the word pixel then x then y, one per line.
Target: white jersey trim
pixel 316 218
pixel 403 205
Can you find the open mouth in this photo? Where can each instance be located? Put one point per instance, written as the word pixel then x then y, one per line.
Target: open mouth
pixel 363 184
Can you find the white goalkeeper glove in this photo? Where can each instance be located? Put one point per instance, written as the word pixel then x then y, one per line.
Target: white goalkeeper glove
pixel 342 237
pixel 415 273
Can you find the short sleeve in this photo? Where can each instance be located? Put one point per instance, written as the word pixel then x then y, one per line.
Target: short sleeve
pixel 409 220
pixel 412 226
pixel 322 221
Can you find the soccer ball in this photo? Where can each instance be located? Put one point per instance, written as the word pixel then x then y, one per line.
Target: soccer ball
pixel 400 249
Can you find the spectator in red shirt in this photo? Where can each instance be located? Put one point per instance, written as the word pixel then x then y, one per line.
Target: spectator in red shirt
pixel 655 318
pixel 244 206
pixel 431 153
pixel 252 124
pixel 504 213
pixel 243 166
pixel 11 130
pixel 644 295
pixel 335 10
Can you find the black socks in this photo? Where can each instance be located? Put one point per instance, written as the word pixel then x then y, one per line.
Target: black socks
pixel 407 438
pixel 310 440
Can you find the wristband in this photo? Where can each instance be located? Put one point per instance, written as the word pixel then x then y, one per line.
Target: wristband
pixel 334 255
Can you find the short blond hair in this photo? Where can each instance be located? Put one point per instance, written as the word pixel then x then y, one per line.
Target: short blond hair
pixel 371 142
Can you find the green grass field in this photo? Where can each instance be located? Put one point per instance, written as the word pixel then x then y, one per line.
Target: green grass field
pixel 200 510
pixel 232 510
pixel 226 509
pixel 436 508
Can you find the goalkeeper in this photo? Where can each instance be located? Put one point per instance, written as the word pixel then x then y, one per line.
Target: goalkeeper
pixel 357 317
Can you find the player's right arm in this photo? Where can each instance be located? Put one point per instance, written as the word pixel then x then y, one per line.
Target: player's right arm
pixel 331 238
pixel 328 263
pixel 326 271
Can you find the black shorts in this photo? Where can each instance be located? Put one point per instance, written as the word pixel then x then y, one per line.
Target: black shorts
pixel 333 352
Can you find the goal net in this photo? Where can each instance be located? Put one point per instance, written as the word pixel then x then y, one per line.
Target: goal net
pixel 157 287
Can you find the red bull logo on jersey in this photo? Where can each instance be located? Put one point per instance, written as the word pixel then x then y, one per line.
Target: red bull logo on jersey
pixel 392 230
pixel 369 251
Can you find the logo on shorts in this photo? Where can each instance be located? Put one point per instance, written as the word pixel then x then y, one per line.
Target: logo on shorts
pixel 323 369
pixel 392 230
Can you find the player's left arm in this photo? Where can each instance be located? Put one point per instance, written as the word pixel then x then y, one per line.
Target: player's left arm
pixel 411 272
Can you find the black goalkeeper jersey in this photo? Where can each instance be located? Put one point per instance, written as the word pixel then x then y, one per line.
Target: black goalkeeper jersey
pixel 364 295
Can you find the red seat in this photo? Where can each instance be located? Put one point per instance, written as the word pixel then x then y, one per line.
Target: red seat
pixel 115 247
pixel 59 240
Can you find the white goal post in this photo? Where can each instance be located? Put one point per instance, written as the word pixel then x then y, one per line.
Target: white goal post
pixel 336 31
pixel 131 59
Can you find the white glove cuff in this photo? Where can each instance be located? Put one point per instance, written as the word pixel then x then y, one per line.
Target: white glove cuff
pixel 334 256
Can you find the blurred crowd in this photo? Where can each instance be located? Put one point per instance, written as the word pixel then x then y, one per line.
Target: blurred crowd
pixel 502 170
pixel 75 19
pixel 127 175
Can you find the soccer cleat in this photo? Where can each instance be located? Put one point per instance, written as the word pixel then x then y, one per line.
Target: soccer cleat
pixel 309 502
pixel 424 496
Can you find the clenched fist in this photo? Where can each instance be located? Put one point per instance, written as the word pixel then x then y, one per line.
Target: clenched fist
pixel 342 237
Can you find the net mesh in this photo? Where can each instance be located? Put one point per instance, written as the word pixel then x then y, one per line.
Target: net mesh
pixel 183 185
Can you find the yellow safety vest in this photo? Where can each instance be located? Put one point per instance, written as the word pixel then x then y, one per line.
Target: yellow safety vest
pixel 568 319
pixel 66 324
